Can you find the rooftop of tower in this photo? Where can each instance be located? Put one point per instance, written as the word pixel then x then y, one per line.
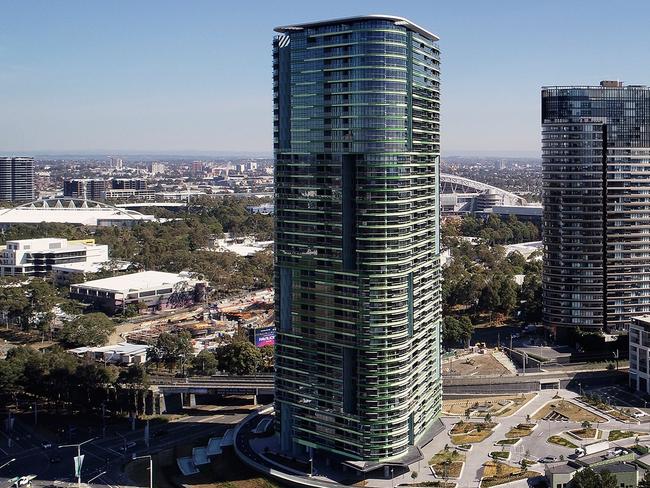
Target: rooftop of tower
pixel 602 84
pixel 392 18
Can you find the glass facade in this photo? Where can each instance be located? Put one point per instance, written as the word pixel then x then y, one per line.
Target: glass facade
pixel 356 137
pixel 596 177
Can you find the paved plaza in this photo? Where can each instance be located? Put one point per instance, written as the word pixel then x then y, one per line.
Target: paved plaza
pixel 532 447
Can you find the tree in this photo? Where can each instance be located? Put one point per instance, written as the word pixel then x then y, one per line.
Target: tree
pixel 172 349
pixel 13 301
pixel 531 297
pixel 92 329
pixel 204 363
pixel 268 357
pixel 239 358
pixel 136 380
pixel 588 478
pixel 457 331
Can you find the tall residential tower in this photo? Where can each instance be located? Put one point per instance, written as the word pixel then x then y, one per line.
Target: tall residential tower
pixel 356 138
pixel 596 177
pixel 16 179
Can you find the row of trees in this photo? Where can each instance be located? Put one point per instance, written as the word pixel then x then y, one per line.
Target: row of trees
pixel 493 230
pixel 480 280
pixel 56 376
pixel 61 378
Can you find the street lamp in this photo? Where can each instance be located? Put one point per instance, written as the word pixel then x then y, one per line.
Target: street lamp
pixel 95 477
pixel 78 465
pixel 150 467
pixel 8 462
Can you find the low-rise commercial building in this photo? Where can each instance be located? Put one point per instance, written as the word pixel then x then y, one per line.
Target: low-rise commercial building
pixel 38 257
pixel 561 475
pixel 152 290
pixel 122 353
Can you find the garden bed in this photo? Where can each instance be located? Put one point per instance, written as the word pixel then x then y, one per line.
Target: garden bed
pixel 471 432
pixel 501 455
pixel 520 430
pixel 564 409
pixel 506 442
pixel 561 441
pixel 447 463
pixel 615 435
pixel 499 473
pixel 585 433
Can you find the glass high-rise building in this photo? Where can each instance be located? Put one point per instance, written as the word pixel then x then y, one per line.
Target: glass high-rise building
pixel 16 179
pixel 596 178
pixel 356 138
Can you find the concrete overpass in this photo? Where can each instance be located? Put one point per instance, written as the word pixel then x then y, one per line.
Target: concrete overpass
pixel 186 389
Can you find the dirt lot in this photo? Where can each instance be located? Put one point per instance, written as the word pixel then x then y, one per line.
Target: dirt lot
pixel 495 403
pixel 483 364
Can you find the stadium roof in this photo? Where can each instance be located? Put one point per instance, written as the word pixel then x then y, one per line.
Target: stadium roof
pixel 70 211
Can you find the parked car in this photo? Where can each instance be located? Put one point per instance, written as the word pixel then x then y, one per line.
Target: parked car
pixel 549 459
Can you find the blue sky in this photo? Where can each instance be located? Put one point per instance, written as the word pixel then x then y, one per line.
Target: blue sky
pixel 195 75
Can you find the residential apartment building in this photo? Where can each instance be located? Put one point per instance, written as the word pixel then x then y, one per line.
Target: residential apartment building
pixel 596 224
pixel 86 189
pixel 356 138
pixel 16 179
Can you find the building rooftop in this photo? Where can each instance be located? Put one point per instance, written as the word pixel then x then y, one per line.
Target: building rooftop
pixel 121 348
pixel 48 244
pixel 68 211
pixel 561 468
pixel 616 468
pixel 392 18
pixel 642 321
pixel 145 280
pixel 605 84
pixel 598 457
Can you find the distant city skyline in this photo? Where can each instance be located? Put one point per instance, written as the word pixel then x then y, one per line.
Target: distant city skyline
pixel 174 77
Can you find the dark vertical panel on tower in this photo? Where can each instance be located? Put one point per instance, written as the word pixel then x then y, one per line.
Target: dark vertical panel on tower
pixel 286 293
pixel 350 373
pixel 349 211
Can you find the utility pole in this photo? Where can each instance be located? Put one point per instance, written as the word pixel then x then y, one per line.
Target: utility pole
pixel 79 461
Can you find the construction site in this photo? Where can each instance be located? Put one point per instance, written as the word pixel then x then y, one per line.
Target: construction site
pixel 209 325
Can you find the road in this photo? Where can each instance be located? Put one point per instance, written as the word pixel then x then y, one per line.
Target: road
pixel 105 453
